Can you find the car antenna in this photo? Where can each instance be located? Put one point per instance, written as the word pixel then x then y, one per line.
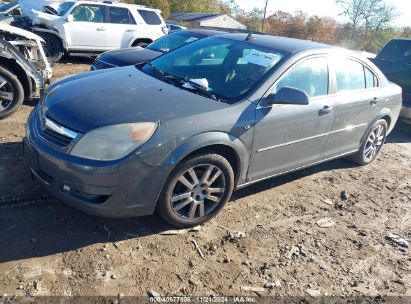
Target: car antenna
pixel 250 36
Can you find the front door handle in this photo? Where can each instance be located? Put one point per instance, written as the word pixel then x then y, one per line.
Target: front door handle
pixel 131 31
pixel 101 29
pixel 374 101
pixel 326 110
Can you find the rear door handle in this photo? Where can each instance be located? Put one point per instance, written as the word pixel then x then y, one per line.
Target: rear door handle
pixel 101 29
pixel 131 31
pixel 374 101
pixel 326 110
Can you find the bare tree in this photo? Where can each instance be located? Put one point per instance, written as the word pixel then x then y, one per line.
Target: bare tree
pixel 367 17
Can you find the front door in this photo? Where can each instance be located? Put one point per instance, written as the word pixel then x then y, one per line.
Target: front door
pixel 287 137
pixel 88 30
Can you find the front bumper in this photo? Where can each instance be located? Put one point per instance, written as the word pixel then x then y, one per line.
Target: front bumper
pixel 121 189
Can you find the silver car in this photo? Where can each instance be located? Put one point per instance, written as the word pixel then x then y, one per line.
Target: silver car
pixel 182 132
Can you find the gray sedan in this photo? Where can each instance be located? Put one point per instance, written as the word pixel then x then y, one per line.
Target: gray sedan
pixel 182 132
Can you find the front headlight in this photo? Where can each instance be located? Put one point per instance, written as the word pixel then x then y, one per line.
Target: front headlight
pixel 113 142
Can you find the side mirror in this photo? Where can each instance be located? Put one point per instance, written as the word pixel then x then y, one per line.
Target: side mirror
pixel 288 95
pixel 70 18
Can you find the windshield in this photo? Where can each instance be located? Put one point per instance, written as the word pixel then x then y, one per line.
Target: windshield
pixel 4 8
pixel 397 50
pixel 226 68
pixel 63 8
pixel 174 40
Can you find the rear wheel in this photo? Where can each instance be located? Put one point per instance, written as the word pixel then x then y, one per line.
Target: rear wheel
pixel 372 144
pixel 11 93
pixel 140 44
pixel 196 191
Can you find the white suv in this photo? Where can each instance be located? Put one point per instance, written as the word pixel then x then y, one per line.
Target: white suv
pixel 92 27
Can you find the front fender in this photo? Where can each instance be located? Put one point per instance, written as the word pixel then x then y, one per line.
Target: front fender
pixel 208 139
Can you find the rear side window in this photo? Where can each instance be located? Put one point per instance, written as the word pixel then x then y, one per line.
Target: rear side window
pixel 349 75
pixel 120 15
pixel 310 76
pixel 150 17
pixel 89 13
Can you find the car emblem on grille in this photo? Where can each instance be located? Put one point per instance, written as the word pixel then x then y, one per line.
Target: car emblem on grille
pixel 43 124
pixel 47 124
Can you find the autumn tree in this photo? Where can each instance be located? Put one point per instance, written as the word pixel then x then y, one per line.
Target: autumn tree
pixel 162 5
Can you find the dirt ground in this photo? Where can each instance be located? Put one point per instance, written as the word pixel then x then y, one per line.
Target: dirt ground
pixel 266 242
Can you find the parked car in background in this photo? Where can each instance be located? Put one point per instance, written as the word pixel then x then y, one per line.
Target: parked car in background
pixel 172 27
pixel 131 56
pixel 394 60
pixel 24 69
pixel 181 132
pixel 90 27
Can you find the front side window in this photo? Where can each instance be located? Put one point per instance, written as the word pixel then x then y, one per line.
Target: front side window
pixel 150 17
pixel 310 76
pixel 89 13
pixel 230 68
pixel 349 75
pixel 120 15
pixel 172 41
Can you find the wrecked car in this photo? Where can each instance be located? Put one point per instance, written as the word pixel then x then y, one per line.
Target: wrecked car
pixel 24 69
pixel 88 28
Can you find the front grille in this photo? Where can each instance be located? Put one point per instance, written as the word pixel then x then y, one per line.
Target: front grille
pixel 50 136
pixel 56 138
pixel 101 65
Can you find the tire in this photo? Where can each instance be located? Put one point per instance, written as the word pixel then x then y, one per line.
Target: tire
pixel 53 47
pixel 195 206
pixel 373 142
pixel 11 87
pixel 140 44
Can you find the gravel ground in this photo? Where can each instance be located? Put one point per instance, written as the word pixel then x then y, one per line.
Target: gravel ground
pixel 267 241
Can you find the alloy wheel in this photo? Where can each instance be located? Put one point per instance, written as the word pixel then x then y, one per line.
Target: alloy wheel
pixel 374 142
pixel 6 93
pixel 198 191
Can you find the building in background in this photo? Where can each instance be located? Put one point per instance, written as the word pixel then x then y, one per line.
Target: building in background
pixel 207 21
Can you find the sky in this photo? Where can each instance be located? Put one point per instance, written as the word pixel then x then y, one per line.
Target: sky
pixel 324 8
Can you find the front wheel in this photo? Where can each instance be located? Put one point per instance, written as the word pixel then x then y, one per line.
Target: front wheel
pixel 53 47
pixel 196 191
pixel 11 93
pixel 372 144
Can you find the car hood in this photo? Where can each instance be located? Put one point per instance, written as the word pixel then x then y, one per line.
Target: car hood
pixel 120 95
pixel 129 56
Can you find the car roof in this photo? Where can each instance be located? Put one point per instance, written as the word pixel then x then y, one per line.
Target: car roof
pixel 204 32
pixel 288 45
pixel 116 4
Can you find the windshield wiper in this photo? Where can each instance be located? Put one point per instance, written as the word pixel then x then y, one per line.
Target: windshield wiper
pixel 161 74
pixel 199 89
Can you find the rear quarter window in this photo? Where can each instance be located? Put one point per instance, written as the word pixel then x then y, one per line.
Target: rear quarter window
pixel 150 17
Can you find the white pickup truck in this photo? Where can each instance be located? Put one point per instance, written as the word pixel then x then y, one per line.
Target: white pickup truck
pixel 91 27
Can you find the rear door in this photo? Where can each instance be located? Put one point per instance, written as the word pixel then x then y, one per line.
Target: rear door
pixel 152 23
pixel 88 30
pixel 122 28
pixel 287 137
pixel 356 104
